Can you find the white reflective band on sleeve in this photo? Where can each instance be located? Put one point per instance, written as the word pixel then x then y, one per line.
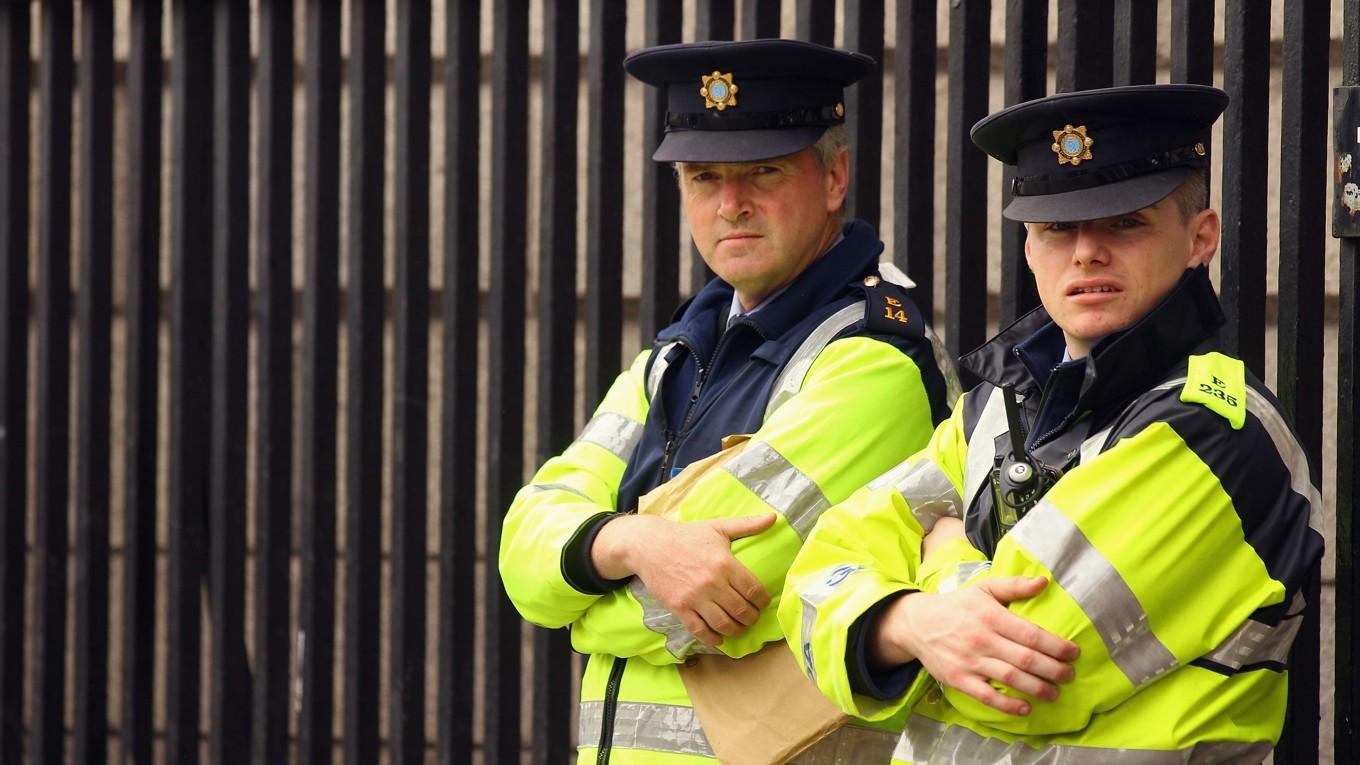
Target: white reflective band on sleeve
pixel 965 571
pixel 679 642
pixel 1089 579
pixel 1094 445
pixel 1257 643
pixel 830 579
pixel 977 470
pixel 925 488
pixel 615 432
pixel 658 369
pixel 780 485
pixel 654 727
pixel 790 380
pixel 1291 454
pixel 930 742
pixel 537 487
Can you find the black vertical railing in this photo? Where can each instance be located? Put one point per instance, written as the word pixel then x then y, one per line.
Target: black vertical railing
pixel 314 643
pixel 410 382
pixel 1026 79
pixel 1303 208
pixel 14 307
pixel 914 77
pixel 363 473
pixel 505 417
pixel 142 386
pixel 53 383
pixel 1242 251
pixel 815 21
pixel 759 18
pixel 191 294
pixel 864 112
pixel 1083 55
pixel 1347 541
pixel 556 321
pixel 458 428
pixel 229 679
pixel 274 382
pixel 660 195
pixel 90 643
pixel 965 308
pixel 1135 61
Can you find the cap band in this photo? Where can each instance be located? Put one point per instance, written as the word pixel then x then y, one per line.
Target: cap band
pixel 1091 177
pixel 826 115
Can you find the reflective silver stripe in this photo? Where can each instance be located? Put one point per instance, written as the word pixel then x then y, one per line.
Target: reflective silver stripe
pixel 814 596
pixel 1089 579
pixel 658 369
pixel 1291 454
pixel 790 379
pixel 679 642
pixel 615 432
pixel 930 742
pixel 1256 643
pixel 536 487
pixel 965 571
pixel 638 725
pixel 850 744
pixel 982 447
pixel 926 489
pixel 780 485
pixel 1094 445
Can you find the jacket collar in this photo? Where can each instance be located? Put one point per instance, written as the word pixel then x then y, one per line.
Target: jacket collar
pixel 1120 365
pixel 855 256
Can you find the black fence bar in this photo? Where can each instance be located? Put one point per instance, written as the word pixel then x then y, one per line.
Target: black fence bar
pixel 815 21
pixel 90 644
pixel 914 73
pixel 367 71
pixel 1242 251
pixel 715 20
pixel 505 415
pixel 143 216
pixel 1135 28
pixel 14 306
pixel 191 294
pixel 759 18
pixel 53 381
pixel 274 381
pixel 864 112
pixel 315 642
pixel 556 305
pixel 604 214
pixel 1084 55
pixel 229 676
pixel 1303 208
pixel 1026 79
pixel 966 241
pixel 660 195
pixel 458 429
pixel 1346 746
pixel 410 382
pixel 1192 38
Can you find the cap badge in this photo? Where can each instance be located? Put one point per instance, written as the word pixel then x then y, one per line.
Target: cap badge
pixel 719 91
pixel 1072 145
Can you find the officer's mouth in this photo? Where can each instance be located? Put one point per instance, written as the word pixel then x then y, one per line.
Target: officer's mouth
pixel 1090 291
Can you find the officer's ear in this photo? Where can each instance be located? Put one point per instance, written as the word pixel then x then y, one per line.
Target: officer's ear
pixel 1204 230
pixel 837 178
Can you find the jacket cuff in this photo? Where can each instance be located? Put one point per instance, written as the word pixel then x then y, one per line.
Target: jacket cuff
pixel 883 684
pixel 577 567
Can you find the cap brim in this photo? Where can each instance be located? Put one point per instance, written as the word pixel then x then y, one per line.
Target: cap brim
pixel 735 145
pixel 1100 202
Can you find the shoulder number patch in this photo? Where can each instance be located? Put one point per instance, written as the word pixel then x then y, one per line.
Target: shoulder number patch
pixel 1220 383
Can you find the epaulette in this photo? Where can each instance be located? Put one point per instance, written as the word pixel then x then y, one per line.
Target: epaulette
pixel 888 310
pixel 1220 383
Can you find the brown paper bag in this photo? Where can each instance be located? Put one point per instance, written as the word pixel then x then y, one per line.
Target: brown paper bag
pixel 760 708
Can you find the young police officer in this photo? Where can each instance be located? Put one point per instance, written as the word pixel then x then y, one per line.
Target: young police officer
pixel 797 342
pixel 1139 522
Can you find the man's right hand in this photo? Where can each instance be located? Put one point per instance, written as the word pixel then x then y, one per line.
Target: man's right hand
pixel 967 637
pixel 689 568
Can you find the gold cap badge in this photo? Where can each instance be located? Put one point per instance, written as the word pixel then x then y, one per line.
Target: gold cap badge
pixel 719 91
pixel 1072 145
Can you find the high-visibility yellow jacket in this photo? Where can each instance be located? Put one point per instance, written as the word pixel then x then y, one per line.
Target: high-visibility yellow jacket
pixel 1178 541
pixel 829 403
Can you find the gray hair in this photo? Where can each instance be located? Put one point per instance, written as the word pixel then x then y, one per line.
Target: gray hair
pixel 835 140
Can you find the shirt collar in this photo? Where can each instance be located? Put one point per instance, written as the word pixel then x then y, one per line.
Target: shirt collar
pixel 735 313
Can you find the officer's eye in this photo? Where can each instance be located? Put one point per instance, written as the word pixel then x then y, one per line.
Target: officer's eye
pixel 1060 226
pixel 699 176
pixel 764 169
pixel 1128 221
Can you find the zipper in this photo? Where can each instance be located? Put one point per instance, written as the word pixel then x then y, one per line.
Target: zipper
pixel 611 703
pixel 700 376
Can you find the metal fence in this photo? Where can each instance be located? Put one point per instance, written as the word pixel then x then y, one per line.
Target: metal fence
pixel 278 551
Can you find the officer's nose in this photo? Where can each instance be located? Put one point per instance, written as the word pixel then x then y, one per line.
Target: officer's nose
pixel 1090 246
pixel 734 201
